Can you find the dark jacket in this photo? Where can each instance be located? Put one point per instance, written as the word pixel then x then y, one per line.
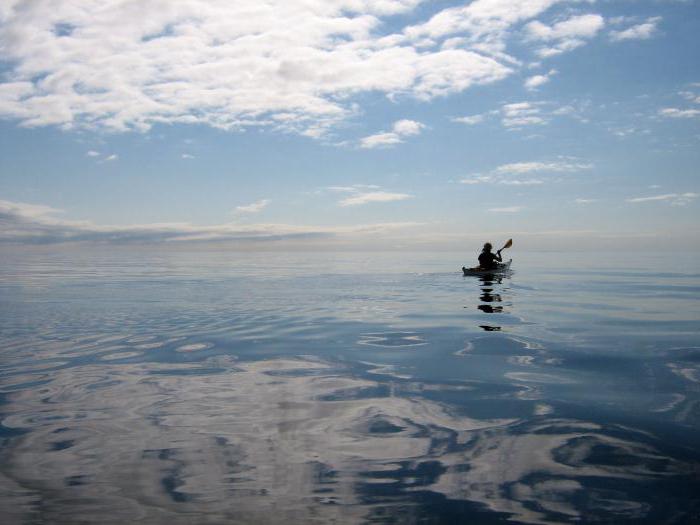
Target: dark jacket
pixel 489 260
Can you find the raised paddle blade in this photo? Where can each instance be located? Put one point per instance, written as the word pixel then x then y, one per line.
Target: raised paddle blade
pixel 508 244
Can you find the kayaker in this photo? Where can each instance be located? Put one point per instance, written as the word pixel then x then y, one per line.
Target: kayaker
pixel 489 260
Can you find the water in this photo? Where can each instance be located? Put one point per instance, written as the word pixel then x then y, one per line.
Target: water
pixel 165 386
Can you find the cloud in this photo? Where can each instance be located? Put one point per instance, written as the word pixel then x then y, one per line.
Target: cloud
pixel 689 95
pixel 482 22
pixel 507 209
pixel 379 140
pixel 37 212
pixel 187 156
pixel 22 223
pixel 521 182
pixel 492 179
pixel 407 128
pixel 519 114
pixel 580 26
pixel 109 158
pixel 536 81
pixel 637 32
pixel 353 188
pixel 675 199
pixel 361 194
pixel 469 120
pixel 400 129
pixel 360 199
pixel 290 65
pixel 477 179
pixel 255 207
pixel 503 174
pixel 585 201
pixel 566 35
pixel 532 167
pixel 679 113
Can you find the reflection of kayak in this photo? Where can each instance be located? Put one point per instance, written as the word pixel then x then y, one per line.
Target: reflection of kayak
pixel 499 270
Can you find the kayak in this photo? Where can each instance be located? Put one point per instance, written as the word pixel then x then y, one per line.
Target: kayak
pixel 501 269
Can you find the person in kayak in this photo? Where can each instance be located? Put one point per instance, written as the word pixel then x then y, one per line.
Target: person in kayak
pixel 487 259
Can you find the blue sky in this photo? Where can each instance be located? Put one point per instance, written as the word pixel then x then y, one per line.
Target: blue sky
pixel 351 123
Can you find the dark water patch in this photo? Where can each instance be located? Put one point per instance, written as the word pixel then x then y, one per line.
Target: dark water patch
pixel 171 483
pixel 62 445
pixel 76 481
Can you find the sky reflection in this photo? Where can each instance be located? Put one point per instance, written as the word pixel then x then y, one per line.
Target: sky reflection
pixel 225 398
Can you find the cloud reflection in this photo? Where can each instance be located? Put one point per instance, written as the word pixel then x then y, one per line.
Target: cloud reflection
pixel 301 440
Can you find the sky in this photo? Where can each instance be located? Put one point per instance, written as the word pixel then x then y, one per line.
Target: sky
pixel 391 124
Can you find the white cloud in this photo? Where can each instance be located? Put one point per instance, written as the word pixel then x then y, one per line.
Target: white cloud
pixel 112 157
pixel 689 95
pixel 352 189
pixel 507 209
pixel 187 156
pixel 482 21
pixel 366 193
pixel 469 120
pixel 407 127
pixel 676 199
pixel 679 113
pixel 519 114
pixel 25 210
pixel 291 65
pixel 564 110
pixel 36 224
pixel 255 207
pixel 637 32
pixel 521 182
pixel 580 26
pixel 566 35
pixel 538 167
pixel 401 128
pixel 504 174
pixel 93 153
pixel 373 196
pixel 585 201
pixel 477 179
pixel 380 139
pixel 536 81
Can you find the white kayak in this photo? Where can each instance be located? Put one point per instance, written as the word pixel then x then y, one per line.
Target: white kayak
pixel 499 270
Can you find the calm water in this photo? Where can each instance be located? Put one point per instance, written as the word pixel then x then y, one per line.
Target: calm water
pixel 172 387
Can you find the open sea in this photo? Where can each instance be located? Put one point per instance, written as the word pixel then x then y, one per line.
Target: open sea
pixel 186 387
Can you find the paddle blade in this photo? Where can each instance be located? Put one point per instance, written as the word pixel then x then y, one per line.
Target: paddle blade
pixel 508 244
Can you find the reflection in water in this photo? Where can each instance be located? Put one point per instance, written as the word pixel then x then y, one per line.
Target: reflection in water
pixel 490 299
pixel 205 389
pixel 301 440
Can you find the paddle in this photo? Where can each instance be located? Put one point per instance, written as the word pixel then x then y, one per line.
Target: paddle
pixel 506 245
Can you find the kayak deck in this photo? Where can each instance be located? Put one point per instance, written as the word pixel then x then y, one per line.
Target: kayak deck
pixel 500 269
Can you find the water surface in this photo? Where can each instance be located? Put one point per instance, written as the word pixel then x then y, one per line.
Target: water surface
pixel 170 386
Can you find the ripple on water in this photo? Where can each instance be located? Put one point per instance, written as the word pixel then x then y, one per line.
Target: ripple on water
pixel 141 339
pixel 501 345
pixel 194 347
pixel 120 355
pixel 212 444
pixel 102 419
pixel 530 377
pixel 392 339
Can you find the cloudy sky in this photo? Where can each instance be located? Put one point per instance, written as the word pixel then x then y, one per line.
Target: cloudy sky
pixel 358 121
